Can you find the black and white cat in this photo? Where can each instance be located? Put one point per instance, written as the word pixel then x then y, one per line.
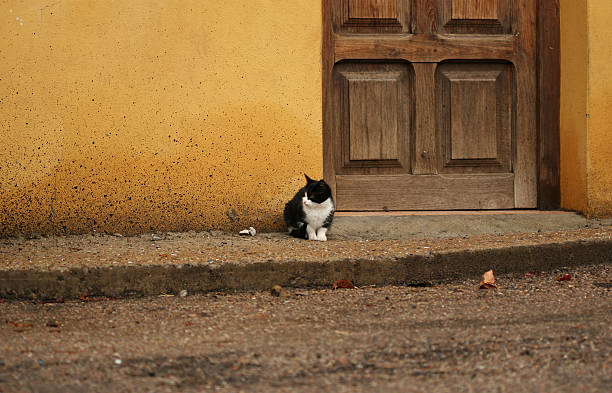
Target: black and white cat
pixel 311 211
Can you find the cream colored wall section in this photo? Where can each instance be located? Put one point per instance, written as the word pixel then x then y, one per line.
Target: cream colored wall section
pixel 600 109
pixel 131 116
pixel 573 121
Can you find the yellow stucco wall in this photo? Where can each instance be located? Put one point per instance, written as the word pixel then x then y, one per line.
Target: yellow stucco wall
pixel 573 121
pixel 599 146
pixel 586 106
pixel 131 116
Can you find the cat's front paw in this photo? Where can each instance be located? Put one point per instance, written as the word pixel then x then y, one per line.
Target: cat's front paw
pixel 318 237
pixel 321 234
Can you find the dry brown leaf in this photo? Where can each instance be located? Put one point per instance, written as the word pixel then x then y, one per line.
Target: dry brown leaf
pixel 343 284
pixel 278 291
pixel 488 280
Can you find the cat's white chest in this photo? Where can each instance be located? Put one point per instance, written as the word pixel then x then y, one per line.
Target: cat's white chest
pixel 316 213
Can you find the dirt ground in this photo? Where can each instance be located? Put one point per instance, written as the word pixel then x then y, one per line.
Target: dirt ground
pixel 532 334
pixel 102 250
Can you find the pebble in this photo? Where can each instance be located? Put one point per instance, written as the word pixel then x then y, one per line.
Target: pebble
pixel 246 232
pixel 183 293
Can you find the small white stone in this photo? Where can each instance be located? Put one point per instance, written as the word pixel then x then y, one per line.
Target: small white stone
pixel 183 293
pixel 248 232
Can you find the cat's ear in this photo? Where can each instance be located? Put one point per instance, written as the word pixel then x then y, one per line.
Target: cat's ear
pixel 308 180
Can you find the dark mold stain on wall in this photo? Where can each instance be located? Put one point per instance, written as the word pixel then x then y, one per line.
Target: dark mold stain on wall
pixel 219 171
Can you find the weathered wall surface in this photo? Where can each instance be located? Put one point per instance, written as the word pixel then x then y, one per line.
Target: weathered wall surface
pixel 586 106
pixel 131 116
pixel 600 109
pixel 573 122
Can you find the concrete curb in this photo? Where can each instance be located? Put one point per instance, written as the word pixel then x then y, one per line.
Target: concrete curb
pixel 128 281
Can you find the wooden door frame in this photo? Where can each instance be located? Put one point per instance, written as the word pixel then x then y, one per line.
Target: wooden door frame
pixel 548 101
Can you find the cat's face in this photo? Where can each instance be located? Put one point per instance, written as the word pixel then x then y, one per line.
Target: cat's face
pixel 316 192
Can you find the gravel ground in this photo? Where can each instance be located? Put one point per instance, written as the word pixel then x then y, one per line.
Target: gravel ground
pixel 533 334
pixel 97 250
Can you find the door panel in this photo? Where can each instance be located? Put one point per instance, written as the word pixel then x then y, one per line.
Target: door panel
pixel 426 192
pixel 474 9
pixel 373 116
pixel 370 16
pixel 374 104
pixel 365 9
pixel 430 104
pixel 474 108
pixel 475 16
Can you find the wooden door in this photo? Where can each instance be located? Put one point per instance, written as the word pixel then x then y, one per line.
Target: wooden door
pixel 430 104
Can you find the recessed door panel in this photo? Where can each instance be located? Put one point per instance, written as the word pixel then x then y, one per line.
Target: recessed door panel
pixel 474 122
pixel 368 9
pixel 373 121
pixel 475 16
pixel 474 9
pixel 373 131
pixel 371 16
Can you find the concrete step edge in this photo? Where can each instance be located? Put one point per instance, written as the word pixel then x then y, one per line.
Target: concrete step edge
pixel 126 281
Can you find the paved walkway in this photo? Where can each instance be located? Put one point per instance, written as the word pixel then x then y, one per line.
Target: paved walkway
pixel 368 250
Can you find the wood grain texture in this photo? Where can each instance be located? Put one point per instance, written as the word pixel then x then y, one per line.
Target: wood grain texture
pixel 427 192
pixel 476 16
pixel 424 16
pixel 476 119
pixel 375 9
pixel 328 113
pixel 373 128
pixel 424 48
pixel 525 162
pixel 370 16
pixel 425 121
pixel 549 79
pixel 473 128
pixel 474 9
pixel 372 123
